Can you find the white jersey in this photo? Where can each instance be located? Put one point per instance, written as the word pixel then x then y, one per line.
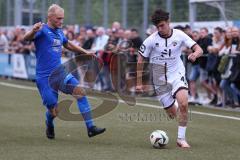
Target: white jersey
pixel 166 51
pixel 168 70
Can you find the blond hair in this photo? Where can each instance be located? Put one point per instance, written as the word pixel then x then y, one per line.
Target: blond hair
pixel 53 8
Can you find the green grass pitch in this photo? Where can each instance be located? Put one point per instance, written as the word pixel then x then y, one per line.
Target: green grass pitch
pixel 22 132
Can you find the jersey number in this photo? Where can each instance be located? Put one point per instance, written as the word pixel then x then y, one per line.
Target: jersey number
pixel 166 52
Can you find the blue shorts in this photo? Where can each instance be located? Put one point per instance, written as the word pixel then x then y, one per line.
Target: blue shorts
pixel 48 88
pixel 197 71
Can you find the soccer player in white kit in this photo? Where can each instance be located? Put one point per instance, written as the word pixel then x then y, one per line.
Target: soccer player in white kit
pixel 163 50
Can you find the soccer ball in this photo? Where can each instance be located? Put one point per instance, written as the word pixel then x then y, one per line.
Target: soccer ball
pixel 159 139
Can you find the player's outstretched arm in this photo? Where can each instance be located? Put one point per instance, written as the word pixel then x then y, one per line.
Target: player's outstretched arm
pixel 30 34
pixel 72 47
pixel 197 53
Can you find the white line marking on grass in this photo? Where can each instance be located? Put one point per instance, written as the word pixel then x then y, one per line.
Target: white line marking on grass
pixel 121 101
pixel 18 86
pixel 195 112
pixel 216 115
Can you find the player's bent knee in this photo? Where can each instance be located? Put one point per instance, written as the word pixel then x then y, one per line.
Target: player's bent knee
pixel 54 112
pixel 172 115
pixel 183 104
pixel 79 92
pixel 172 112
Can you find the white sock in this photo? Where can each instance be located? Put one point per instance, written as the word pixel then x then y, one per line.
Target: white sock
pixel 181 132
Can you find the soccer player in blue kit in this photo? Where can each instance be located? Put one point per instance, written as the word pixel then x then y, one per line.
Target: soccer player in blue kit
pixel 51 76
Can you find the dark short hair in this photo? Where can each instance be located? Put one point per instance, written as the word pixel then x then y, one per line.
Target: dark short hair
pixel 179 27
pixel 134 30
pixel 159 15
pixel 187 27
pixel 219 29
pixel 204 28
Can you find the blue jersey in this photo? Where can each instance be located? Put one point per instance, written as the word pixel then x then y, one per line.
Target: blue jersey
pixel 48 43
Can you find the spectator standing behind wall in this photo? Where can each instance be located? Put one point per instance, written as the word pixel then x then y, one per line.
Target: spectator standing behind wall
pixel 213 61
pixel 3 42
pixel 205 41
pixel 90 37
pixel 101 40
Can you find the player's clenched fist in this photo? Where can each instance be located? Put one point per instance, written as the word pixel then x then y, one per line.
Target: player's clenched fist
pixel 192 57
pixel 37 26
pixel 92 53
pixel 30 34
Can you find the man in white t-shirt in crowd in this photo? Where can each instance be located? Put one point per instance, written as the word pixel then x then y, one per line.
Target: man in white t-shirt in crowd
pixel 163 50
pixel 101 40
pixel 3 42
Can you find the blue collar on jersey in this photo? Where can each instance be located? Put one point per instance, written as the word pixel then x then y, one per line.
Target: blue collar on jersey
pixel 54 30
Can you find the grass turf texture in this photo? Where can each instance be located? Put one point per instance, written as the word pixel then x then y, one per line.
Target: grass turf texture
pixel 22 134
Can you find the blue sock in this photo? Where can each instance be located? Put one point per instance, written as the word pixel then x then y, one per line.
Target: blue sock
pixel 85 110
pixel 49 118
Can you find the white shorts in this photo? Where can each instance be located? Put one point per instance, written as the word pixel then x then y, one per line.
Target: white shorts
pixel 167 85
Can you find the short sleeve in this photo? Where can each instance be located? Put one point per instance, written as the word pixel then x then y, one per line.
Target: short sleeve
pixel 64 38
pixel 187 40
pixel 146 48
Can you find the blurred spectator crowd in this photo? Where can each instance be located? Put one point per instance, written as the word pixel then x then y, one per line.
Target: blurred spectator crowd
pixel 218 70
pixel 216 73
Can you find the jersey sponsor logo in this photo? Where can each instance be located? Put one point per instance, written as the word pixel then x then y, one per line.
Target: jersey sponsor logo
pixel 56 42
pixel 160 58
pixel 57 49
pixel 57 46
pixel 142 48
